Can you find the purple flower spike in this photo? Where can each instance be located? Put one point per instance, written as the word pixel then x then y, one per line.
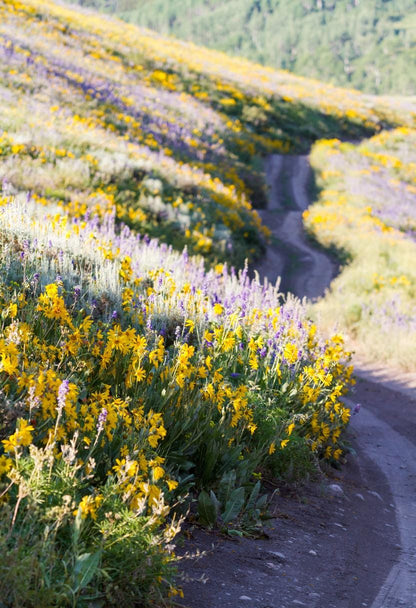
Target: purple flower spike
pixel 62 393
pixel 102 417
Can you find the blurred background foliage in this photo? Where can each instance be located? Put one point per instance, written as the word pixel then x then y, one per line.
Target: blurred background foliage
pixel 369 45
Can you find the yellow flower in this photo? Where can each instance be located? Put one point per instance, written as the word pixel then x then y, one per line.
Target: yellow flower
pixel 12 310
pixel 5 464
pixel 337 454
pixel 89 506
pixel 345 416
pixel 172 485
pixel 140 374
pixel 158 473
pixel 218 309
pixel 191 324
pixel 22 437
pixel 284 443
pixel 291 353
pixel 290 428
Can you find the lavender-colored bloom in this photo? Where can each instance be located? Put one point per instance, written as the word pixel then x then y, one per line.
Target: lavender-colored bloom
pixel 262 352
pixel 77 291
pixel 62 393
pixel 102 417
pixel 114 314
pixel 356 408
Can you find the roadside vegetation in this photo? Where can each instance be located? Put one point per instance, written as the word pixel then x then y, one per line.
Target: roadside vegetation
pixel 367 45
pixel 366 211
pixel 142 372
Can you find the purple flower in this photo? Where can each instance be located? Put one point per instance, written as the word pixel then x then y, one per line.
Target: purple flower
pixel 102 417
pixel 356 409
pixel 62 393
pixel 114 314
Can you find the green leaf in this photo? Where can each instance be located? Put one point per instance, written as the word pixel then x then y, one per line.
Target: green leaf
pixel 234 505
pixel 251 503
pixel 262 501
pixel 206 509
pixel 226 486
pixel 234 533
pixel 215 502
pixel 76 530
pixel 86 566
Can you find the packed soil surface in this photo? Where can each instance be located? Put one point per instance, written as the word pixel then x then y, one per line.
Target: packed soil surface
pixel 304 269
pixel 347 538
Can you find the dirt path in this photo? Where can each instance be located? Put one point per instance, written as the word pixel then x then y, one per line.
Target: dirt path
pixel 305 270
pixel 348 541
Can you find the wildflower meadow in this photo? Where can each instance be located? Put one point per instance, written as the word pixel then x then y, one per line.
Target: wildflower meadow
pixel 145 375
pixel 366 211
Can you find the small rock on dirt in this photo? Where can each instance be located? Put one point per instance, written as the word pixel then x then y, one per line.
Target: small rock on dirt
pixel 335 490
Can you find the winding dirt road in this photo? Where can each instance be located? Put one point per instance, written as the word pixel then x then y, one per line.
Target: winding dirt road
pixel 304 270
pixel 349 541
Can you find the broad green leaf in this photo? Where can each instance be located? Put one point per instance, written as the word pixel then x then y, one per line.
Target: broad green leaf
pixel 76 530
pixel 234 505
pixel 215 502
pixel 251 503
pixel 262 501
pixel 86 566
pixel 226 486
pixel 206 509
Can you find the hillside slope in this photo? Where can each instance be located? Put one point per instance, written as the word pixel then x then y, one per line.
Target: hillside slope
pixel 169 133
pixel 139 381
pixel 136 380
pixel 369 45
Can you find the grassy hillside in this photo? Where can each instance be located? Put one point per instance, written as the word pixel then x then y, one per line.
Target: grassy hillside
pixel 142 372
pixel 137 380
pixel 369 45
pixel 367 210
